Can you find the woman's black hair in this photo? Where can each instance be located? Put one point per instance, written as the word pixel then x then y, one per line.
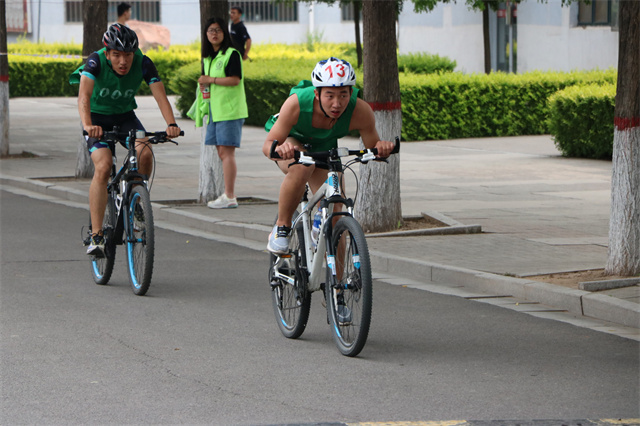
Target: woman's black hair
pixel 207 48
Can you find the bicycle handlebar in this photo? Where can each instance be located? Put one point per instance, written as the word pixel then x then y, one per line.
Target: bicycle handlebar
pixel 364 155
pixel 116 135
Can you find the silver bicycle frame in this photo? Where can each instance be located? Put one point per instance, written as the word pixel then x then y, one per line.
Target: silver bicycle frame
pixel 315 264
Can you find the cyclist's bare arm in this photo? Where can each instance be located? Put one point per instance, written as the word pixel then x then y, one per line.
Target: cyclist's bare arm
pixel 160 95
pixel 289 113
pixel 364 121
pixel 84 107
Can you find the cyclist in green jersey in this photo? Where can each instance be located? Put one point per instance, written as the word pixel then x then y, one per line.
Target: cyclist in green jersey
pixel 108 83
pixel 316 114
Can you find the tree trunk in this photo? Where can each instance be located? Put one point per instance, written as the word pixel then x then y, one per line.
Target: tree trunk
pixel 357 7
pixel 486 39
pixel 211 9
pixel 378 205
pixel 4 84
pixel 624 223
pixel 94 24
pixel 211 181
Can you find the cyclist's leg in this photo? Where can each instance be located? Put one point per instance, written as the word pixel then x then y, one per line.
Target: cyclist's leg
pixel 292 187
pixel 143 147
pixel 102 162
pixel 145 156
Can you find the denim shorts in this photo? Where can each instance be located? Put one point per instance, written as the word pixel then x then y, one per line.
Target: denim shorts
pixel 226 133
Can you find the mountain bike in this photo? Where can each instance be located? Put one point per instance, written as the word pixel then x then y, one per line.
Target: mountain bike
pixel 337 262
pixel 128 217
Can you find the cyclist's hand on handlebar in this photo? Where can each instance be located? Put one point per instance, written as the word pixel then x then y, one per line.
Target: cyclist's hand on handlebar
pixel 286 150
pixel 93 131
pixel 384 148
pixel 173 131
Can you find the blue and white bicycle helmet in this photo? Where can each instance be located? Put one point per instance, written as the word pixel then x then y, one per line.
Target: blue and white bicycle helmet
pixel 333 72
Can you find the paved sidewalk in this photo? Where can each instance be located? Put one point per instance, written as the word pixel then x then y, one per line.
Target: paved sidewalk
pixel 539 213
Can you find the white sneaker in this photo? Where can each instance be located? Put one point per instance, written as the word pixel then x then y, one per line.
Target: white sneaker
pixel 279 240
pixel 223 202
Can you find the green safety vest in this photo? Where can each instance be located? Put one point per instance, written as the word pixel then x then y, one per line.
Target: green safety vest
pixel 304 132
pixel 227 102
pixel 112 93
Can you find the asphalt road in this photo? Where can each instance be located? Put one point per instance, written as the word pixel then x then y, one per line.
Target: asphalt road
pixel 203 347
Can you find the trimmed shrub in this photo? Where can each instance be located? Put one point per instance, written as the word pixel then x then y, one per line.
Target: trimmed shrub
pixel 167 63
pixel 425 63
pixel 453 105
pixel 311 52
pixel 40 76
pixel 581 120
pixel 24 47
pixel 184 81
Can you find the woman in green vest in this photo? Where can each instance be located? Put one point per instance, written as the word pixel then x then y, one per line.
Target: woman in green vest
pixel 222 85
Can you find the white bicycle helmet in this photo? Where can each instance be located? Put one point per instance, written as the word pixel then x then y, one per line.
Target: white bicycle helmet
pixel 333 72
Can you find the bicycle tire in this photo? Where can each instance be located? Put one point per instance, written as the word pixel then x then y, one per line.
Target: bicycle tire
pixel 292 302
pixel 139 239
pixel 354 285
pixel 102 267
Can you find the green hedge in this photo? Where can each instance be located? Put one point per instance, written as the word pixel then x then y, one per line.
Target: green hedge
pixel 38 76
pixel 454 105
pixel 24 47
pixel 581 120
pixel 424 63
pixel 443 106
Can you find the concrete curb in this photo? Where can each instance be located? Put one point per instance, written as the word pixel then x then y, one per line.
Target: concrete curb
pixel 253 232
pixel 42 187
pixel 608 284
pixel 577 302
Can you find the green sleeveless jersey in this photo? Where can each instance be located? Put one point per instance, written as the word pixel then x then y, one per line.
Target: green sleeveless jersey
pixel 303 131
pixel 113 94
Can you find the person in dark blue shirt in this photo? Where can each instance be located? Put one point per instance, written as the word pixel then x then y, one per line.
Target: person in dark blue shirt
pixel 238 32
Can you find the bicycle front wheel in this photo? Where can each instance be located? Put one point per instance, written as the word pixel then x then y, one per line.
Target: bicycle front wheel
pixel 350 288
pixel 140 239
pixel 291 296
pixel 102 266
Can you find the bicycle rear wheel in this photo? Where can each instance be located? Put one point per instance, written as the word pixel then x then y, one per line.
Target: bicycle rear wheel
pixel 349 295
pixel 140 239
pixel 291 297
pixel 102 266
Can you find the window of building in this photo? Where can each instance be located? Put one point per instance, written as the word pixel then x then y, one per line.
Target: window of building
pixel 142 10
pixel 266 11
pixel 598 12
pixel 347 14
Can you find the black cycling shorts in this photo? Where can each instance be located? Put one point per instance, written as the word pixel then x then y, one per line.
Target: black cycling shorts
pixel 126 122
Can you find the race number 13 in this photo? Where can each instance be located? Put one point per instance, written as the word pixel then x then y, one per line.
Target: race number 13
pixel 339 70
